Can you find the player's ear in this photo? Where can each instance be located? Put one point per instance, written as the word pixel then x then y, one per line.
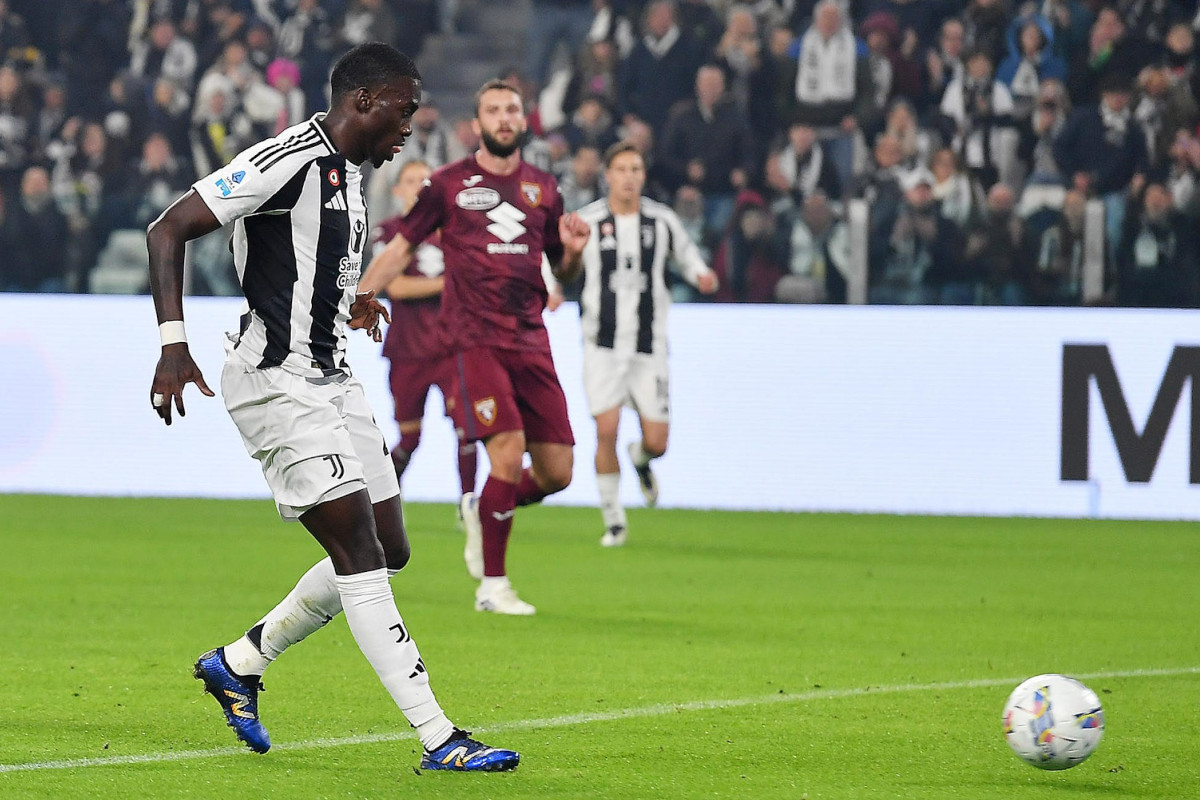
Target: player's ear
pixel 362 100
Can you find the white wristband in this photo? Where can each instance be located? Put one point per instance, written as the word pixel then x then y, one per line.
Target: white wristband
pixel 172 332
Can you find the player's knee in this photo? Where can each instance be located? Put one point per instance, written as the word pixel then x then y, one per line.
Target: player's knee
pixel 397 554
pixel 557 478
pixel 655 449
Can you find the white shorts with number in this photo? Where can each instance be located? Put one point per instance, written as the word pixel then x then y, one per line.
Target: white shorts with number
pixel 315 438
pixel 638 380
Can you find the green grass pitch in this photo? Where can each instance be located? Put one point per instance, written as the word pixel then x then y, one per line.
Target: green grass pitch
pixel 719 654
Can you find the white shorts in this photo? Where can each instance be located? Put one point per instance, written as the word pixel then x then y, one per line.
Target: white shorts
pixel 315 438
pixel 638 380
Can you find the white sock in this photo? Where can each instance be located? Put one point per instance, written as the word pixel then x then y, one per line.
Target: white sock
pixel 380 633
pixel 639 455
pixel 312 603
pixel 611 509
pixel 491 583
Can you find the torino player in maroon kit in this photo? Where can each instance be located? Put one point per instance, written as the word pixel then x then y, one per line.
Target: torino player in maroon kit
pixel 498 216
pixel 414 343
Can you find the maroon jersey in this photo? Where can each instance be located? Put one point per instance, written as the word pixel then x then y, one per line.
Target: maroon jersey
pixel 495 229
pixel 415 333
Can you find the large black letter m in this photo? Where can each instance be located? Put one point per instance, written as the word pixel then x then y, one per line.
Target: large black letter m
pixel 1138 451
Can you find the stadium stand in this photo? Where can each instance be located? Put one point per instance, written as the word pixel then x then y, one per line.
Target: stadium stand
pixel 1056 140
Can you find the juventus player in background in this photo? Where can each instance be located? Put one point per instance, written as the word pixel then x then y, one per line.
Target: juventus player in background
pixel 498 216
pixel 298 241
pixel 623 306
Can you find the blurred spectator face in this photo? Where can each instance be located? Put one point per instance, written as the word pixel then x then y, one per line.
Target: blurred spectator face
pixel 1156 202
pixel 234 55
pixel 559 149
pixel 603 53
pixel 943 165
pixel 408 184
pixel 35 188
pixel 640 134
pixel 779 41
pixel 659 19
pixel 1000 202
pixel 1115 99
pixel 710 86
pixel 952 39
pixel 887 151
pixel 980 67
pixel 10 83
pixel 162 34
pixel 900 118
pixel 689 203
pixel 95 141
pixel 164 93
pixel 259 37
pixel 1155 81
pixel 156 152
pixel 801 137
pixel 1031 39
pixel 55 97
pixel 1050 94
pixel 828 19
pixel 755 224
pixel 590 112
pixel 626 175
pixel 586 166
pixel 741 25
pixel 1180 40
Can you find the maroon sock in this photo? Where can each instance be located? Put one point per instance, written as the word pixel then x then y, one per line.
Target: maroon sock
pixel 402 452
pixel 496 505
pixel 468 465
pixel 528 492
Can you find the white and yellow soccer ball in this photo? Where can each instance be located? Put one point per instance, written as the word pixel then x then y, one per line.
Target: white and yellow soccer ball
pixel 1053 722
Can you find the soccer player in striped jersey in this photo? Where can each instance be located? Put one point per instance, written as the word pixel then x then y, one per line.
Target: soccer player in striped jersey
pixel 623 306
pixel 300 228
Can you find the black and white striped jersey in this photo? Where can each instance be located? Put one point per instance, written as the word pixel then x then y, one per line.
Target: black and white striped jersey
pixel 300 229
pixel 625 297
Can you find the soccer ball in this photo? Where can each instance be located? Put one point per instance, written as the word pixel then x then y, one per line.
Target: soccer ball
pixel 1053 722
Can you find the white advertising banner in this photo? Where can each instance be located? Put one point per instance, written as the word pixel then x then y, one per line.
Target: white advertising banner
pixel 1044 412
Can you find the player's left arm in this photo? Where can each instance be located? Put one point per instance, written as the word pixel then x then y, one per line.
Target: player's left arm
pixel 687 256
pixel 565 237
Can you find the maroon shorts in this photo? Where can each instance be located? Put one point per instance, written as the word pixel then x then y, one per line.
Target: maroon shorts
pixel 410 381
pixel 497 390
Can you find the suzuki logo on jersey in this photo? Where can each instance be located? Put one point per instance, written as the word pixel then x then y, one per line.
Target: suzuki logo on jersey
pixel 506 226
pixel 348 272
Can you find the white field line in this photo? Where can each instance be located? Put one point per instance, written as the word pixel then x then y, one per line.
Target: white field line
pixel 659 710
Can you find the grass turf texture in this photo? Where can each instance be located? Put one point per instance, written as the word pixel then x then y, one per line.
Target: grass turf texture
pixel 107 602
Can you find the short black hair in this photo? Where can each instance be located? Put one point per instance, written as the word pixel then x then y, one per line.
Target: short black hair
pixel 370 66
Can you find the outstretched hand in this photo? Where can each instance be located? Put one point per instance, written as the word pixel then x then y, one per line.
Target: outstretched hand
pixel 365 314
pixel 175 370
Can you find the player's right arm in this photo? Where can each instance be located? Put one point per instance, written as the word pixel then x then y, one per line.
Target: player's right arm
pixel 411 287
pixel 188 218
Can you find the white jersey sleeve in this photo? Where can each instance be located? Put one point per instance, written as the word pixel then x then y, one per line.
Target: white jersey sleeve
pixel 687 256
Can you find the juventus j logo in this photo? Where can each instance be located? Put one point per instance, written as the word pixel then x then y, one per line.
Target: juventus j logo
pixel 339 469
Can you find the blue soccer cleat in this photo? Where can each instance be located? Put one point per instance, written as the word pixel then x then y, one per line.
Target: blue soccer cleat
pixel 463 754
pixel 238 700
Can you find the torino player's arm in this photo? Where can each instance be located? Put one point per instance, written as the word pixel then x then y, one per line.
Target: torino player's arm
pixel 387 265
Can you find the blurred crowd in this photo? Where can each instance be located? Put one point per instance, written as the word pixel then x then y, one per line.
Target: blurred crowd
pixel 977 131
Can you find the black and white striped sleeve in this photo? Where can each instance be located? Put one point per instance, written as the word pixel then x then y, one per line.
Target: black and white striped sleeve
pixel 256 174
